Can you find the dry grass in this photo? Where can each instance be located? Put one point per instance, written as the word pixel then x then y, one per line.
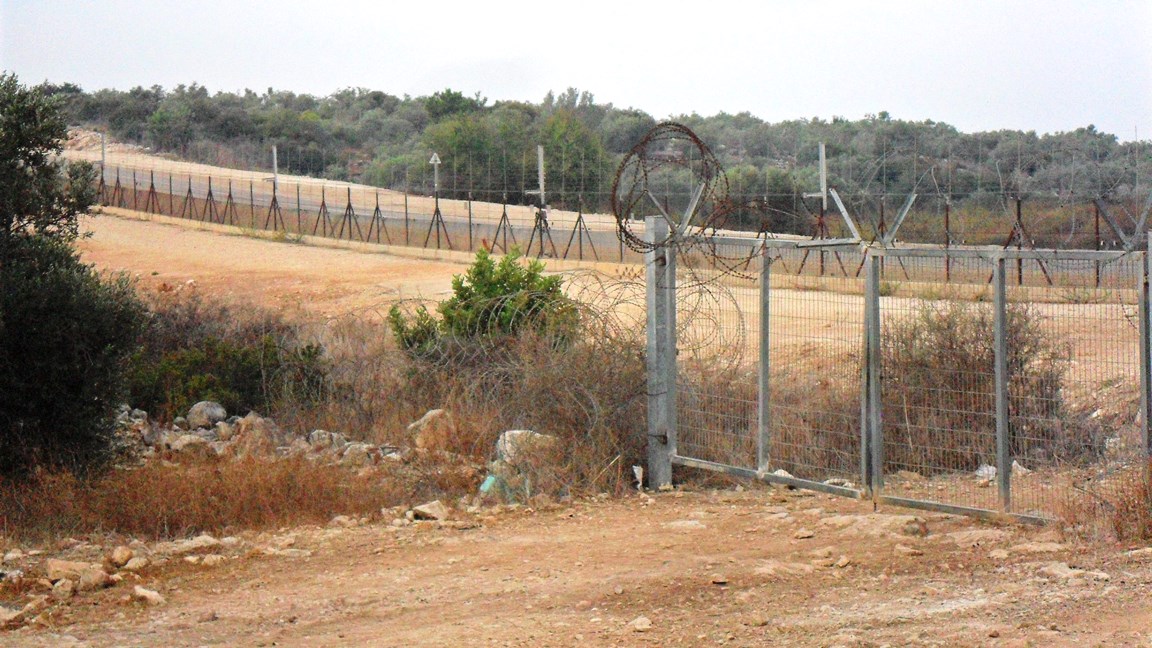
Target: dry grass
pixel 1131 513
pixel 164 500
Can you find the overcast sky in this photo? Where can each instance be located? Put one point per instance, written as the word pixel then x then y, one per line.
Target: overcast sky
pixel 1052 65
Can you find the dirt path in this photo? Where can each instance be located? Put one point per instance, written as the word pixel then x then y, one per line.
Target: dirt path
pixel 765 567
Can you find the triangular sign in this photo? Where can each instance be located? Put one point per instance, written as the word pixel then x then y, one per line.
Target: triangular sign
pixel 435 159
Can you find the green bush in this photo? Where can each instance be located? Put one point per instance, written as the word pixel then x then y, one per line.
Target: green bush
pixel 246 359
pixel 67 335
pixel 490 302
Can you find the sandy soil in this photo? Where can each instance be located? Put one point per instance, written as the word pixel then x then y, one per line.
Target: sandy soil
pixel 714 567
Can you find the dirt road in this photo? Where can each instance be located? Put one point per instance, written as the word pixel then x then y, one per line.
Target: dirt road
pixel 714 567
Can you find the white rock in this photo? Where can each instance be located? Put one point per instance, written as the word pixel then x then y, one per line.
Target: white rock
pixel 434 510
pixel 1038 547
pixel 56 569
pixel 135 564
pixel 320 439
pixel 151 597
pixel 522 447
pixel 12 556
pixel 202 542
pixel 186 442
pixel 120 556
pixel 986 472
pixel 1017 469
pixel 640 624
pixel 1060 570
pixel 205 414
pixel 434 431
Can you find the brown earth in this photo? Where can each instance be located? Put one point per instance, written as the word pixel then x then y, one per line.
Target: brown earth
pixel 713 566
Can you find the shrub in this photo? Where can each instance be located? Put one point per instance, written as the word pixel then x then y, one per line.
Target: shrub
pixel 242 357
pixel 67 335
pixel 490 302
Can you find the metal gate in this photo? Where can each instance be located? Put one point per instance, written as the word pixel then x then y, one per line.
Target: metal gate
pixel 981 381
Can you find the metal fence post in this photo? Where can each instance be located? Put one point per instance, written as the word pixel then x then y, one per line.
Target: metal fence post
pixel 1145 294
pixel 763 421
pixel 671 371
pixel 1000 334
pixel 656 268
pixel 872 432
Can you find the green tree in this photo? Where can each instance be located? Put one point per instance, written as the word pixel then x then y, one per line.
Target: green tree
pixel 65 333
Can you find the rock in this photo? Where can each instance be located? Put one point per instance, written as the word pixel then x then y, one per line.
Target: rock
pixel 206 414
pixel 841 482
pixel 56 569
pixel 150 597
pixel 1144 552
pixel 357 455
pixel 434 510
pixel 12 556
pixel 287 553
pixel 998 554
pixel 1017 469
pixel 342 522
pixel 199 543
pixel 63 589
pixel 257 436
pixel 1038 547
pixel 212 560
pixel 640 624
pixel 777 569
pixel 804 534
pixel 843 562
pixel 136 564
pixel 320 439
pixel 1060 571
pixel 120 556
pixel 224 431
pixel 986 472
pixel 190 443
pixel 434 431
pixel 905 550
pixel 94 579
pixel 180 423
pixel 977 537
pixel 524 448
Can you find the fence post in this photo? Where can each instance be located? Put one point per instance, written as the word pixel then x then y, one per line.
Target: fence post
pixel 656 269
pixel 1000 340
pixel 762 419
pixel 1146 352
pixel 872 433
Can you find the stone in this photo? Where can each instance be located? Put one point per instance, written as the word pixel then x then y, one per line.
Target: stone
pixel 190 443
pixel 94 579
pixel 524 448
pixel 56 569
pixel 1144 552
pixel 971 538
pixel 434 431
pixel 905 550
pixel 1060 571
pixel 986 472
pixel 1037 547
pixel 224 431
pixel 320 439
pixel 120 556
pixel 12 556
pixel 180 423
pixel 843 562
pixel 136 564
pixel 685 524
pixel 342 522
pixel 257 436
pixel 147 596
pixel 206 414
pixel 640 624
pixel 434 510
pixel 213 560
pixel 998 554
pixel 201 543
pixel 1017 469
pixel 357 455
pixel 803 534
pixel 63 589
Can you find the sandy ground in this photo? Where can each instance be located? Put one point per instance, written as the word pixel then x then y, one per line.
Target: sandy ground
pixel 711 567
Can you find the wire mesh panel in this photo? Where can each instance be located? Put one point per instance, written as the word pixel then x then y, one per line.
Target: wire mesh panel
pixel 814 337
pixel 938 381
pixel 1073 384
pixel 717 331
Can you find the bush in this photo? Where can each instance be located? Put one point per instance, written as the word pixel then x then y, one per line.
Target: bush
pixel 244 358
pixel 490 302
pixel 66 337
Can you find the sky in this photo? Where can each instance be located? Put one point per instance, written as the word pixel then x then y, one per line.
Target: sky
pixel 1047 66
